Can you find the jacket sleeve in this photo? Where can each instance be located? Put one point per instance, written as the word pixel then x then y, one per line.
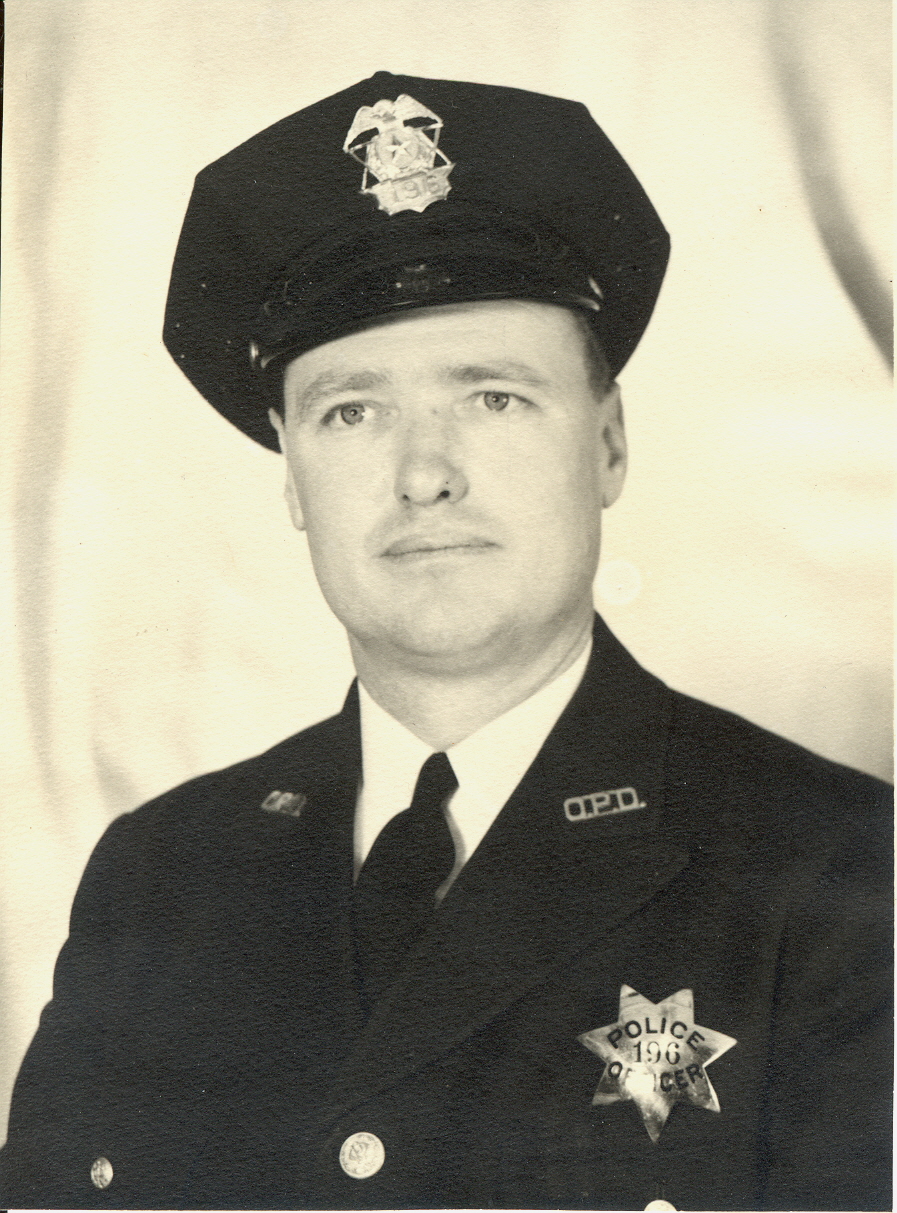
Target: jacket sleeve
pixel 828 1111
pixel 50 1147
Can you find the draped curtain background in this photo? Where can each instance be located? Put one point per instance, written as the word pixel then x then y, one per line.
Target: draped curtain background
pixel 162 617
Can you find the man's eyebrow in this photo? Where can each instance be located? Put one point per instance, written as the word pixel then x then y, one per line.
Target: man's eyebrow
pixel 330 383
pixel 477 372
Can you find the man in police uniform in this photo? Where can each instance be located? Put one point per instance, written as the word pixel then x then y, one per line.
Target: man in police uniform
pixel 624 950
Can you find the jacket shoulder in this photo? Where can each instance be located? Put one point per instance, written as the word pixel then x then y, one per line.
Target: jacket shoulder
pixel 191 835
pixel 732 747
pixel 289 766
pixel 760 791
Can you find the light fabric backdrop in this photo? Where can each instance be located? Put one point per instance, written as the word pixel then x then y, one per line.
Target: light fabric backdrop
pixel 163 618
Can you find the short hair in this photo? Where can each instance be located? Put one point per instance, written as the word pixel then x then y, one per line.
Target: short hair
pixel 597 368
pixel 600 378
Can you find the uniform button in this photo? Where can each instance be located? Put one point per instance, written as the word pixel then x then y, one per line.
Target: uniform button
pixel 361 1155
pixel 101 1173
pixel 660 1206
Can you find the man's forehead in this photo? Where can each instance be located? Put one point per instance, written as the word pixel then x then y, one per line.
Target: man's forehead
pixel 468 343
pixel 339 381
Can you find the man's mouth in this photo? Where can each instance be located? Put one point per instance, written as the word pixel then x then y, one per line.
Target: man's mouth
pixel 410 546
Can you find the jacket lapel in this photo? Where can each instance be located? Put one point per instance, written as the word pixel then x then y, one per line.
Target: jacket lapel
pixel 302 897
pixel 561 865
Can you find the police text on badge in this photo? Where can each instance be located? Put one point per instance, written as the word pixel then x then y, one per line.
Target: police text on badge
pixel 656 1056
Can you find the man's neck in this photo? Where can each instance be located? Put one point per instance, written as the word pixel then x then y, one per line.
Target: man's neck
pixel 444 709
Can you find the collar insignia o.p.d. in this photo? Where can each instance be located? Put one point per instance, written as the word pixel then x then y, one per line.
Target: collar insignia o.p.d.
pixel 289 803
pixel 395 142
pixel 603 804
pixel 656 1056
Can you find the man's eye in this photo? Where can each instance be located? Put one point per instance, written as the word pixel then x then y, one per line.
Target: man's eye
pixel 496 401
pixel 352 414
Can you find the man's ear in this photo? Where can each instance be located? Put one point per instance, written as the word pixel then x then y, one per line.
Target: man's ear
pixel 613 446
pixel 291 496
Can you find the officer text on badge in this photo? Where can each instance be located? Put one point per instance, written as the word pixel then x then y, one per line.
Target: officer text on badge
pixel 656 1056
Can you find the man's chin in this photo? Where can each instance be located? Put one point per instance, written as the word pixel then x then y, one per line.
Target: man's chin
pixel 441 640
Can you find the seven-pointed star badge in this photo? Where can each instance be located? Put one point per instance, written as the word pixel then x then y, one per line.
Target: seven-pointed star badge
pixel 656 1055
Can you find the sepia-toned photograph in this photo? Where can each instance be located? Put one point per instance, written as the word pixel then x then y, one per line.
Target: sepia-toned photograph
pixel 446 470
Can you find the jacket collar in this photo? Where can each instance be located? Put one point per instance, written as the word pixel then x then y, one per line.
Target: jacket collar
pixel 544 883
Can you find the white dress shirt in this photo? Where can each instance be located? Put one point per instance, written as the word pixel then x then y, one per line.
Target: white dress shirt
pixel 488 765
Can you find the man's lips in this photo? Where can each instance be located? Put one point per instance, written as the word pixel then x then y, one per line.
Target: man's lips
pixel 425 545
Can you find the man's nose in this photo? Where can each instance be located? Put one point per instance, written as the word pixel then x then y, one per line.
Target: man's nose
pixel 429 465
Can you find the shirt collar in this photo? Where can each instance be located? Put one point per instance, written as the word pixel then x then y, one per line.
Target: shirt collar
pixel 488 765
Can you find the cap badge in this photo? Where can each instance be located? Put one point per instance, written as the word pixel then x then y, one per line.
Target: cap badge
pixel 656 1056
pixel 395 142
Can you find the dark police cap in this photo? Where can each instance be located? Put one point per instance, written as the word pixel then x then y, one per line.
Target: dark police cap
pixel 398 193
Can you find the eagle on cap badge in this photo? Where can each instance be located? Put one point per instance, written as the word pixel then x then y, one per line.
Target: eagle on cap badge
pixel 395 142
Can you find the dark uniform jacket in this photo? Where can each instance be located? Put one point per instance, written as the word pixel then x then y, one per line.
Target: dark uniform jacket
pixel 206 1038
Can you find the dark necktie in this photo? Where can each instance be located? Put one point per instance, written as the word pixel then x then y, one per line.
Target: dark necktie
pixel 395 892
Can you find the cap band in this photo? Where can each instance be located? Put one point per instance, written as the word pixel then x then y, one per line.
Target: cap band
pixel 334 288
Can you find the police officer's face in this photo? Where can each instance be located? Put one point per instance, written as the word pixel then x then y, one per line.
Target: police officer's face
pixel 450 468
